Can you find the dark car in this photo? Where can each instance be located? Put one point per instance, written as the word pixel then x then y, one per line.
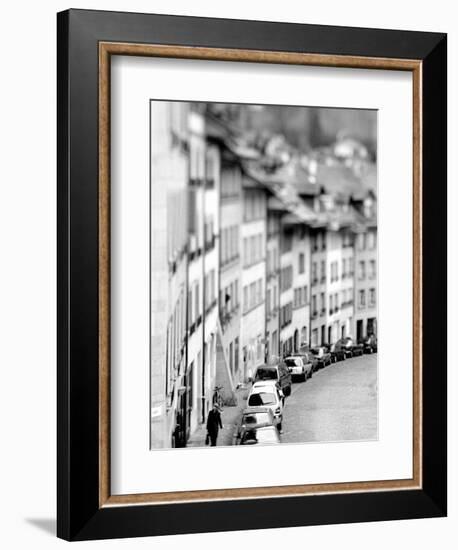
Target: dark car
pixel 266 435
pixel 357 348
pixel 322 356
pixel 347 347
pixel 343 348
pixel 370 344
pixel 331 351
pixel 278 372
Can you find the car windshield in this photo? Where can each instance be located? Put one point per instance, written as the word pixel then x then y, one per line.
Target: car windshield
pixel 266 374
pixel 317 351
pixel 293 362
pixel 260 399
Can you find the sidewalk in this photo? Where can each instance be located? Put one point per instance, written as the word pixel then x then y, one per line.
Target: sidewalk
pixel 229 417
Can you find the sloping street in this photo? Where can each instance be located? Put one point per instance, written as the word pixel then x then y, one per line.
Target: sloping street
pixel 338 404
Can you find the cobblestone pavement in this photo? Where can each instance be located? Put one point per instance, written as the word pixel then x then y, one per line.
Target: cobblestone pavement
pixel 338 403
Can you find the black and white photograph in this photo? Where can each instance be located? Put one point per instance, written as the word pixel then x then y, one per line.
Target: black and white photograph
pixel 263 274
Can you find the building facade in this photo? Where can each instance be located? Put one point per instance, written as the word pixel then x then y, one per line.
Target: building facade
pixel 365 277
pixel 169 335
pixel 253 276
pixel 230 267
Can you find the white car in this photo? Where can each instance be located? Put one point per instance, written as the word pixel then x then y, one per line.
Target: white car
pixel 266 393
pixel 299 365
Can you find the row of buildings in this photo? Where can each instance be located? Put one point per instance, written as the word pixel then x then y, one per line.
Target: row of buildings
pixel 257 250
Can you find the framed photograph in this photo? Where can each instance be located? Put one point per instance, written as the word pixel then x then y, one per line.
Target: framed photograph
pixel 251 275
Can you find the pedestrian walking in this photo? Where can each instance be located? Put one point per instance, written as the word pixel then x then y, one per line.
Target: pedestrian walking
pixel 214 424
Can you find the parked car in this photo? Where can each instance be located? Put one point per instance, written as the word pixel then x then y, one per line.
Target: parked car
pixel 370 344
pixel 357 349
pixel 338 352
pixel 331 351
pixel 278 372
pixel 344 347
pixel 266 435
pixel 300 366
pixel 268 395
pixel 322 356
pixel 255 417
pixel 305 350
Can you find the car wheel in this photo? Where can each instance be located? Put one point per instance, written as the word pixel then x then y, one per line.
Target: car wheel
pixel 279 426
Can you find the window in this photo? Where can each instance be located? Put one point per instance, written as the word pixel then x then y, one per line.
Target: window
pixel 361 241
pixel 286 241
pixel 372 273
pixel 372 297
pixel 259 292
pixel 314 273
pixel 253 205
pixel 371 240
pixel 361 270
pixel 362 299
pixel 323 271
pixel 230 182
pixel 301 263
pixel 286 279
pixel 334 271
pixel 286 314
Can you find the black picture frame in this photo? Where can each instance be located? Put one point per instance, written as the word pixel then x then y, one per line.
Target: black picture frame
pixel 80 516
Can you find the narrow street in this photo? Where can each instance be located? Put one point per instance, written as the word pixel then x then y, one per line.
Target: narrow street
pixel 338 403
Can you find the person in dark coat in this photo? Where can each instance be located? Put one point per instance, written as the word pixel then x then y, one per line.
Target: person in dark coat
pixel 214 424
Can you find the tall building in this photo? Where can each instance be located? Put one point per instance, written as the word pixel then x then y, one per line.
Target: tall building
pixel 253 277
pixel 318 284
pixel 365 280
pixel 275 210
pixel 230 266
pixel 168 263
pixel 203 260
